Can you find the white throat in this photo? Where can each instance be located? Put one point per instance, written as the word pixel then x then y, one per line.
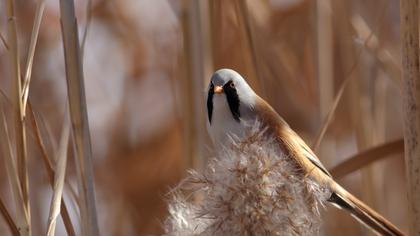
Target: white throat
pixel 223 125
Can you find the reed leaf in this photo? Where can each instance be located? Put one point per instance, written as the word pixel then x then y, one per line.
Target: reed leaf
pixel 367 157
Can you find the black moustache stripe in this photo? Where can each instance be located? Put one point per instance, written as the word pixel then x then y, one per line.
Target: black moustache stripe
pixel 232 99
pixel 210 102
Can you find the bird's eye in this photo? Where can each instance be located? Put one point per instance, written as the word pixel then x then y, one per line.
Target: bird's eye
pixel 232 85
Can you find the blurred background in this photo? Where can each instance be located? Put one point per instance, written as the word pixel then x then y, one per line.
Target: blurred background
pixel 147 64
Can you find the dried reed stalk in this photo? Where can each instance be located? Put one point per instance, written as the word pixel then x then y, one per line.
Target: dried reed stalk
pixel 20 131
pixel 79 118
pixel 6 215
pixel 60 173
pixel 329 118
pixel 6 147
pixel 325 70
pixel 86 30
pixel 325 52
pixel 12 174
pixel 186 88
pixel 3 40
pixel 367 157
pixel 31 52
pixel 50 171
pixel 195 60
pixel 411 101
pixel 42 127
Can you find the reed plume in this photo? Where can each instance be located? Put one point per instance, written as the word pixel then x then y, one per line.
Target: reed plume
pixel 249 188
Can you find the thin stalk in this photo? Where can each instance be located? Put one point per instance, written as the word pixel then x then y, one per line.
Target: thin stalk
pixel 50 172
pixel 12 174
pixel 194 59
pixel 9 220
pixel 10 164
pixel 60 173
pixel 328 119
pixel 20 131
pixel 3 40
pixel 325 64
pixel 30 59
pixel 88 21
pixel 325 55
pixel 79 118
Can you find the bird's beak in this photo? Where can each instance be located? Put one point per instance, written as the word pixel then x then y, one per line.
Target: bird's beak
pixel 218 89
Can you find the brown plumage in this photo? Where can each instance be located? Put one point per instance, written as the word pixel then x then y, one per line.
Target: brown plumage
pixel 293 146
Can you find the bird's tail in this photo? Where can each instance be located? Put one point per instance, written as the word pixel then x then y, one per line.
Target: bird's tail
pixel 343 199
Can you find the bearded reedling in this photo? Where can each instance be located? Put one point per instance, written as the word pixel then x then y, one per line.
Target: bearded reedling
pixel 232 108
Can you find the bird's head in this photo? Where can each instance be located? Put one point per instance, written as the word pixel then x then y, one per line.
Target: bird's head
pixel 227 88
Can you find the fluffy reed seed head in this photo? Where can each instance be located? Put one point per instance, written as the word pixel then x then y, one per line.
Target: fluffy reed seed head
pixel 249 188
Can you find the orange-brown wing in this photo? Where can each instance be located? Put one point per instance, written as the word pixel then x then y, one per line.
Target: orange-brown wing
pixel 291 142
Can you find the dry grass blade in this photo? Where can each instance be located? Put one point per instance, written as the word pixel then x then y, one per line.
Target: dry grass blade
pixel 48 166
pixel 8 219
pixel 20 131
pixel 3 40
pixel 6 148
pixel 13 177
pixel 88 21
pixel 30 59
pixel 11 171
pixel 328 119
pixel 367 157
pixel 60 173
pixel 78 113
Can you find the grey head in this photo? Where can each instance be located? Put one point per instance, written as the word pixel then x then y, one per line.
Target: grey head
pixel 238 94
pixel 230 105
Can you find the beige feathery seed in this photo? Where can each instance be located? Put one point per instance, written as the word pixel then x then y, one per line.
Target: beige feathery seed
pixel 249 188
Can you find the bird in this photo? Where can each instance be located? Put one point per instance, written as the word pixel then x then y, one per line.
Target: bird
pixel 232 105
